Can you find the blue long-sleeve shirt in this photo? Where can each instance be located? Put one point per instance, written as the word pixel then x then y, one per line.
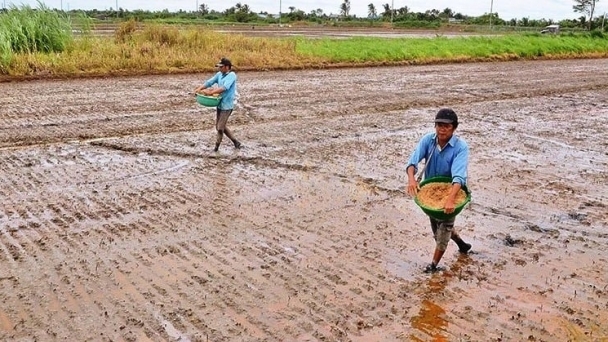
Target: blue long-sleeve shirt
pixel 451 161
pixel 228 82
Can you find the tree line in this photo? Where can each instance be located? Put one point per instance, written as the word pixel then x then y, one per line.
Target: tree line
pixel 398 17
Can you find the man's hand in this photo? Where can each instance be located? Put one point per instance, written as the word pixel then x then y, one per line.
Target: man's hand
pixel 412 188
pixel 449 206
pixel 412 184
pixel 209 91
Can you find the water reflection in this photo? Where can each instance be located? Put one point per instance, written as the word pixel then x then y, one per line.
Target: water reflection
pixel 431 321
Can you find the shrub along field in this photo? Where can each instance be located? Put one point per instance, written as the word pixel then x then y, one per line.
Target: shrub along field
pixel 40 42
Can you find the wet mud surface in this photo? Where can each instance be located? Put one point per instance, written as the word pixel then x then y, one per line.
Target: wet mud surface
pixel 119 223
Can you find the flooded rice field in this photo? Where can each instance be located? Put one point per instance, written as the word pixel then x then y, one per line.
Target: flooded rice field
pixel 119 223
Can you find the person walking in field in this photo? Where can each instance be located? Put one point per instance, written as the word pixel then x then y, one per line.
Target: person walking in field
pixel 445 154
pixel 223 84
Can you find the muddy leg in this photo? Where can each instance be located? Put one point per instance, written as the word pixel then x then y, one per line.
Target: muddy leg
pixel 463 247
pixel 220 125
pixel 228 133
pixel 442 231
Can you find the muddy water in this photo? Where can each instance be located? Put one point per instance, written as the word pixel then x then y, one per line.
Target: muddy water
pixel 118 223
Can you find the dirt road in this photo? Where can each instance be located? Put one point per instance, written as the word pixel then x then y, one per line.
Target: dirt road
pixel 118 223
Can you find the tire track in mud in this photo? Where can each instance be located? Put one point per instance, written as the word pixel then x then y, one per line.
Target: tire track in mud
pixel 270 163
pixel 222 261
pixel 68 237
pixel 331 292
pixel 172 255
pixel 35 248
pixel 101 211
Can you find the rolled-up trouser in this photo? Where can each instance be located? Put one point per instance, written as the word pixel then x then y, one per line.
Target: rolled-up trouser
pixel 442 232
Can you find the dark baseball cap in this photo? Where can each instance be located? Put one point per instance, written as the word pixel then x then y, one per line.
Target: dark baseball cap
pixel 224 62
pixel 446 115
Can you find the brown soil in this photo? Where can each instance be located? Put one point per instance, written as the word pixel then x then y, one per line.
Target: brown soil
pixel 118 223
pixel 434 195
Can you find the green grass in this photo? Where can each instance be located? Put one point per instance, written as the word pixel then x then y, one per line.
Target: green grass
pixel 26 30
pixel 419 50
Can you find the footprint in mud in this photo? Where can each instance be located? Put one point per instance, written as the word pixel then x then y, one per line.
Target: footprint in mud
pixel 511 242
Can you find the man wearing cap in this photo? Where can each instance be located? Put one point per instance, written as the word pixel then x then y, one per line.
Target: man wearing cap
pixel 445 154
pixel 223 84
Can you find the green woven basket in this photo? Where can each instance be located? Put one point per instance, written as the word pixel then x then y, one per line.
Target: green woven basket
pixel 438 214
pixel 208 101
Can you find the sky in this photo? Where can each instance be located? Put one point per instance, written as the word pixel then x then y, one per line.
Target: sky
pixel 506 9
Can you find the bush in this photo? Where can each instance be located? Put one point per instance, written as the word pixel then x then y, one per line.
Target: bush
pixel 6 53
pixel 164 35
pixel 32 30
pixel 125 31
pixel 418 24
pixel 35 30
pixel 597 34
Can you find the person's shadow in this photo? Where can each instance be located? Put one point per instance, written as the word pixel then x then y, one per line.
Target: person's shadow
pixel 431 324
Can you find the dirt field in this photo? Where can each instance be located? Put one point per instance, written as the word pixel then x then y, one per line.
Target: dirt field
pixel 118 222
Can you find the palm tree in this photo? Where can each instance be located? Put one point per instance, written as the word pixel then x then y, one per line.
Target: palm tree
pixel 387 11
pixel 434 13
pixel 371 11
pixel 403 11
pixel 345 8
pixel 448 13
pixel 204 9
pixel 586 7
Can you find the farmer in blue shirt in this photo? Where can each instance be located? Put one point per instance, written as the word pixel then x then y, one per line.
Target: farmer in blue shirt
pixel 223 84
pixel 445 154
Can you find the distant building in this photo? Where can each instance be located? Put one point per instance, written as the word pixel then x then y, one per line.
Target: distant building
pixel 268 16
pixel 550 29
